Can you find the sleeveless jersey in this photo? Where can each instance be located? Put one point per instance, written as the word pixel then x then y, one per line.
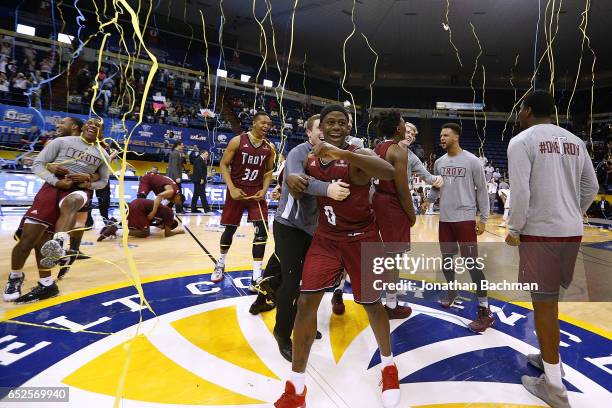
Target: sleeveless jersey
pixel 343 220
pixel 248 166
pixel 384 186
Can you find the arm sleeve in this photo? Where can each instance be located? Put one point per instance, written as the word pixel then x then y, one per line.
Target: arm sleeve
pixel 434 193
pixel 417 167
pixel 295 165
pixel 48 154
pixel 519 167
pixel 589 185
pixel 482 193
pixel 104 175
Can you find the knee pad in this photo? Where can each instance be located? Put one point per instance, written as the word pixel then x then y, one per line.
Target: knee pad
pixel 226 237
pixel 261 234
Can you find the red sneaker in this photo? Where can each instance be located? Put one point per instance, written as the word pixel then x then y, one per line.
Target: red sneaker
pixel 337 302
pixel 290 399
pixel 390 387
pixel 483 321
pixel 400 312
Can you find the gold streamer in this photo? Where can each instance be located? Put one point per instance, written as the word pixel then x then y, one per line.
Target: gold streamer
pixel 450 33
pixel 371 87
pixel 262 33
pixel 515 94
pixel 472 82
pixel 345 67
pixel 484 112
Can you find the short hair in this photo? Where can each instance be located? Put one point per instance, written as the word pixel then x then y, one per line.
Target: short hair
pixel 258 114
pixel 452 126
pixel 176 144
pixel 311 120
pixel 542 103
pixel 77 122
pixel 388 122
pixel 333 108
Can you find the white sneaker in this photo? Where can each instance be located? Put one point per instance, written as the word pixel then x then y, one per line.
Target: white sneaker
pixel 502 225
pixel 217 275
pixel 12 289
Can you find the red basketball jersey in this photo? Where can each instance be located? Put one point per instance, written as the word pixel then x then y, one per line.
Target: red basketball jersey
pixel 155 182
pixel 341 220
pixel 249 164
pixel 384 186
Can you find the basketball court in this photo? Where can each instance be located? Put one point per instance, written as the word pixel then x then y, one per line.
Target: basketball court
pixel 196 343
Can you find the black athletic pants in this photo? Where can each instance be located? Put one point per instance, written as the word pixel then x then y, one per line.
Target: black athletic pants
pixel 291 245
pixel 199 192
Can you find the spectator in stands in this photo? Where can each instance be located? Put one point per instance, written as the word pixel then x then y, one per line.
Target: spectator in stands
pixel 503 185
pixel 19 85
pixel 4 88
pixel 185 87
pixel 496 174
pixel 154 170
pixel 6 46
pixel 492 188
pixel 489 171
pixel 29 57
pixel 196 90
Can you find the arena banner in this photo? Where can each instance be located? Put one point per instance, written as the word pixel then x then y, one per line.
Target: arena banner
pixel 18 120
pixel 20 189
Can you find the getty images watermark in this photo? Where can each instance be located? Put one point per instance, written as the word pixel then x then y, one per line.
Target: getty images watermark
pixel 387 265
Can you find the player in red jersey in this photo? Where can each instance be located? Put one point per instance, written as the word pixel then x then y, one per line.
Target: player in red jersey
pixel 392 201
pixel 141 216
pixel 164 188
pixel 336 245
pixel 246 167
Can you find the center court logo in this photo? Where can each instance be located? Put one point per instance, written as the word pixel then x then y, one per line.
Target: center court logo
pixel 202 347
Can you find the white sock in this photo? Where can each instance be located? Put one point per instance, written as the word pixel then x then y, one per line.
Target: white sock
pixel 15 274
pixel 298 380
pixel 553 373
pixel 221 259
pixel 483 302
pixel 391 300
pixel 386 360
pixel 48 281
pixel 63 237
pixel 256 270
pixel 342 282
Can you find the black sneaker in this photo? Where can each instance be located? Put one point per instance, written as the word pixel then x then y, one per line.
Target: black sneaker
pixel 260 305
pixel 108 231
pixel 39 292
pixel 12 290
pixel 66 263
pixel 81 256
pixel 262 286
pixel 285 347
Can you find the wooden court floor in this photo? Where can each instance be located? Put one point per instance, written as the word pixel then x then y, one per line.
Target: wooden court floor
pixel 155 257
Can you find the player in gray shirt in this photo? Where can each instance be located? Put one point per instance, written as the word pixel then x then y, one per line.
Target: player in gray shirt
pixel 463 194
pixel 553 184
pixel 75 159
